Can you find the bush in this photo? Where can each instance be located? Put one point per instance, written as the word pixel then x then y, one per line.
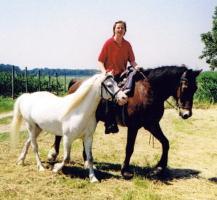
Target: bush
pixel 207 87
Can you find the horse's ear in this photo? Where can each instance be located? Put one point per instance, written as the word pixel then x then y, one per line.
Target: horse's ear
pixel 197 72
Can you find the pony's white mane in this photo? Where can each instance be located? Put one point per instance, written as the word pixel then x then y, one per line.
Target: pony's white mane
pixel 79 95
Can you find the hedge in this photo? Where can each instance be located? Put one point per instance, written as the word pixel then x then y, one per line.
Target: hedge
pixel 207 87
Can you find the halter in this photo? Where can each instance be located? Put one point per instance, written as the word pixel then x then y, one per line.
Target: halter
pixel 178 106
pixel 183 78
pixel 107 90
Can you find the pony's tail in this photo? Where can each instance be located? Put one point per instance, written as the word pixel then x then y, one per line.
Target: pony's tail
pixel 16 124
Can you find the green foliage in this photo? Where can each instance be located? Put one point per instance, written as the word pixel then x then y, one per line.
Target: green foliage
pixel 6 104
pixel 210 41
pixel 207 87
pixel 46 84
pixel 52 80
pixel 5 83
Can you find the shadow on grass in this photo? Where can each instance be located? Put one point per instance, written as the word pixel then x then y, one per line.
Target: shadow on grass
pixel 213 179
pixel 105 170
pixel 169 174
pixel 80 172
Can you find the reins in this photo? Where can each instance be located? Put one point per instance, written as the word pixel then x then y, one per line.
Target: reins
pixel 175 107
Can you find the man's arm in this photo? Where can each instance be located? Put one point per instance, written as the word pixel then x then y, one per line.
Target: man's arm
pixel 102 66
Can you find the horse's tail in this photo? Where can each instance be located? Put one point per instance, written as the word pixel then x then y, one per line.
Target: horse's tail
pixel 16 122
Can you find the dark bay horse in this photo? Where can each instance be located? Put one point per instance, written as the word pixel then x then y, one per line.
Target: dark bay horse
pixel 146 108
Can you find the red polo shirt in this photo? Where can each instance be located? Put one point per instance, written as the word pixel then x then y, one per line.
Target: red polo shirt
pixel 115 56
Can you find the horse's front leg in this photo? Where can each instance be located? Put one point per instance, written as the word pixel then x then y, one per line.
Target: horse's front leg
pixel 159 135
pixel 131 137
pixel 88 140
pixel 54 151
pixel 67 141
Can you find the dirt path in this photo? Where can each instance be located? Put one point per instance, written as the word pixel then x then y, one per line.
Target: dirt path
pixel 7 114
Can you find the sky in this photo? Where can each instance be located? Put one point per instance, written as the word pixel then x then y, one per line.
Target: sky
pixel 70 33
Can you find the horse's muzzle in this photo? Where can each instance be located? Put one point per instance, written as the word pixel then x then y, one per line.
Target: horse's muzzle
pixel 185 113
pixel 122 99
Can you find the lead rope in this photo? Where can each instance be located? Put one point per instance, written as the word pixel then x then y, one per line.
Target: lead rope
pixel 123 117
pixel 171 105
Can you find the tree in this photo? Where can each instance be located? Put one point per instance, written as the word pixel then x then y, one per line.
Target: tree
pixel 210 41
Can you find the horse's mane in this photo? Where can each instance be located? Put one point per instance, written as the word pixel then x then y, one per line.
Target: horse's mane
pixel 78 96
pixel 157 73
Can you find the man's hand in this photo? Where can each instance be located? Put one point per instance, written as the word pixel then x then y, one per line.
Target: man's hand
pixel 137 67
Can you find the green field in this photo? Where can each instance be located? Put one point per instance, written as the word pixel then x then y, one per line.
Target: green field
pixel 192 172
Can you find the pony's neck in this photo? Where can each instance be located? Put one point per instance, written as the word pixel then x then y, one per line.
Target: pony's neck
pixel 165 86
pixel 87 93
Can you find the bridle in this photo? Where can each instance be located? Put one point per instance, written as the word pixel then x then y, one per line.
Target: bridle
pixel 178 105
pixel 103 85
pixel 178 101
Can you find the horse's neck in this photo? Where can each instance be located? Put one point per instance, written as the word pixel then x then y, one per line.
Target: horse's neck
pixel 163 88
pixel 87 104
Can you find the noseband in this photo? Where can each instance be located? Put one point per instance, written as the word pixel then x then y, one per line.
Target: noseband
pixel 107 90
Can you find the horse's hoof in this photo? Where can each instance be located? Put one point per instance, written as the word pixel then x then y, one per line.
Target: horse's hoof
pixel 41 169
pixel 20 162
pixel 57 167
pixel 51 156
pixel 94 180
pixel 127 175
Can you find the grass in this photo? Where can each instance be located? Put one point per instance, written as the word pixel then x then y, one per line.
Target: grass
pixel 192 172
pixel 5 120
pixel 6 104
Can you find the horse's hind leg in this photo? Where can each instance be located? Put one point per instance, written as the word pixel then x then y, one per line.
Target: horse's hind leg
pixel 159 135
pixel 54 151
pixel 88 140
pixel 22 156
pixel 34 131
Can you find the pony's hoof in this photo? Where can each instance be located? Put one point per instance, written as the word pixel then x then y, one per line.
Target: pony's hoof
pixel 94 180
pixel 57 167
pixel 127 174
pixel 51 156
pixel 41 169
pixel 20 162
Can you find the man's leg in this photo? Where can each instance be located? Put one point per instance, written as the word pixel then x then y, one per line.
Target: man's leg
pixel 110 121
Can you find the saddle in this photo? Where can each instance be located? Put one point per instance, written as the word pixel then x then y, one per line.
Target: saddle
pixel 128 79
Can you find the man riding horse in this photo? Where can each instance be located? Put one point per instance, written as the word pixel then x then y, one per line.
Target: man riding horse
pixel 113 57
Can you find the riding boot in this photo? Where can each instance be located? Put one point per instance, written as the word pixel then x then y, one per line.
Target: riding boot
pixel 110 121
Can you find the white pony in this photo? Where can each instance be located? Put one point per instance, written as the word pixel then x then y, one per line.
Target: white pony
pixel 72 117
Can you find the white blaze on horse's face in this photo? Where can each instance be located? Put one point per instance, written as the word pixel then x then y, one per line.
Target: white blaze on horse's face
pixel 111 91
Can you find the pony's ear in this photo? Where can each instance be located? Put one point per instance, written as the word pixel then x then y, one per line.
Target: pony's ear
pixel 197 72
